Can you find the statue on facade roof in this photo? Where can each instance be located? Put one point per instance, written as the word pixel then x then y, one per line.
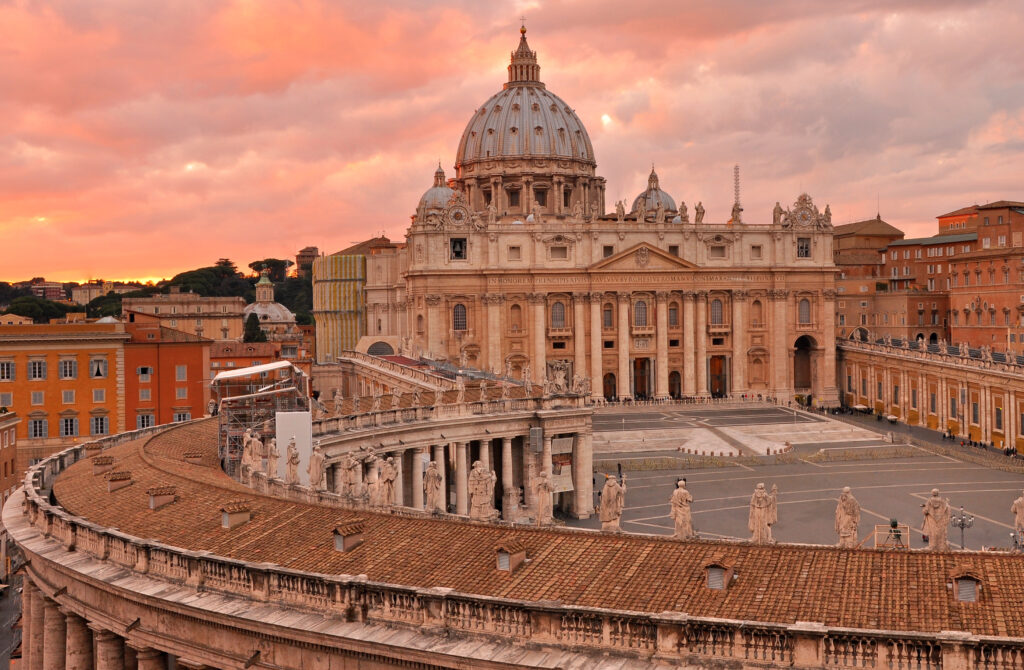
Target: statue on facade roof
pixel 698 213
pixel 577 211
pixel 291 476
pixel 936 522
pixel 483 390
pixel 680 511
pixel 763 514
pixel 460 390
pixel 481 492
pixel 352 475
pixel 273 456
pixel 316 468
pixel 542 491
pixel 538 216
pixel 492 214
pixel 847 519
pixel 336 401
pixel 826 217
pixel 508 369
pixel 777 213
pixel 620 210
pixel 388 477
pixel 527 380
pixel 433 487
pixel 659 212
pixel 613 499
pixel 684 216
pixel 737 213
pixel 641 209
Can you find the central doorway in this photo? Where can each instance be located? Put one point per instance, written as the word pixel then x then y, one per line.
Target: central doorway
pixel 718 382
pixel 641 378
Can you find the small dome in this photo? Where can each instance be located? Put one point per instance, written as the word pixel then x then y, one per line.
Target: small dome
pixel 654 195
pixel 273 312
pixel 438 195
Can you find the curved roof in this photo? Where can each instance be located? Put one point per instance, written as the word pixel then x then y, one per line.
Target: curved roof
pixel 653 196
pixel 438 195
pixel 273 312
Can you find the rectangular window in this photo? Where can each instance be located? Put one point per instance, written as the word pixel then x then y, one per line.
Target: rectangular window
pixel 609 344
pixel 38 398
pixel 803 247
pixel 6 371
pixel 716 251
pixel 98 368
pixel 913 398
pixel 864 387
pixel 180 373
pixel 755 252
pixel 896 394
pixel 181 393
pixel 515 253
pixel 513 198
pixel 849 383
pixel 99 425
pixel 69 427
pixel 99 395
pixel 187 416
pixel 878 396
pixel 144 421
pixel 931 403
pixel 974 413
pixel 37 370
pixel 37 428
pixel 144 395
pixel 952 406
pixel 457 246
pixel 68 369
pixel 6 400
pixel 608 250
pixel 559 253
pixel 999 418
pixel 67 397
pixel 540 195
pixel 673 249
pixel 1002 240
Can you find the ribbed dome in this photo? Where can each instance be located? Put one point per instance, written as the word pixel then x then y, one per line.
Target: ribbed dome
pixel 273 312
pixel 438 195
pixel 524 119
pixel 654 195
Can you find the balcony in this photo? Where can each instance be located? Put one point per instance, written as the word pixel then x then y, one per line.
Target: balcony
pixel 565 331
pixel 643 330
pixel 719 328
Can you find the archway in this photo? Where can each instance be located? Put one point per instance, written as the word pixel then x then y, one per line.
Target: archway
pixel 859 334
pixel 920 337
pixel 641 378
pixel 609 386
pixel 675 388
pixel 802 362
pixel 718 382
pixel 933 338
pixel 380 349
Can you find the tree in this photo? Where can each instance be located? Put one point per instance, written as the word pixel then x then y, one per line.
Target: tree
pixel 277 268
pixel 9 293
pixel 38 309
pixel 253 333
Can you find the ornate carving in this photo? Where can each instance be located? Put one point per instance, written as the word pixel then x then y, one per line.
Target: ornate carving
pixel 432 300
pixel 829 293
pixel 624 297
pixel 739 294
pixel 537 298
pixel 642 257
pixel 661 296
pixel 805 214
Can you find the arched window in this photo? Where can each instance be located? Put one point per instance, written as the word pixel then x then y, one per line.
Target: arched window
pixel 673 314
pixel 804 311
pixel 515 314
pixel 756 314
pixel 419 323
pixel 558 315
pixel 716 312
pixel 640 313
pixel 379 328
pixel 459 317
pixel 607 316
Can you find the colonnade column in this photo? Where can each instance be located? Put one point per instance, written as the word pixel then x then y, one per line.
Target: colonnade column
pixel 829 388
pixel 493 302
pixel 701 363
pixel 436 326
pixel 545 456
pixel 540 340
pixel 109 650
pixel 485 453
pixel 596 355
pixel 399 498
pixel 417 477
pixel 579 335
pixel 78 646
pixel 780 340
pixel 739 343
pixel 55 637
pixel 689 377
pixel 1010 420
pixel 150 659
pixel 461 477
pixel 622 386
pixel 661 338
pixel 510 498
pixel 582 475
pixel 36 627
pixel 439 459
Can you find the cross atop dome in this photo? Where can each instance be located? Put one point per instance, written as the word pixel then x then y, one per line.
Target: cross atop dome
pixel 524 68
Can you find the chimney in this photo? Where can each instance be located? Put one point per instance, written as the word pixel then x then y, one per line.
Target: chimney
pixel 234 514
pixel 101 464
pixel 348 535
pixel 118 480
pixel 194 457
pixel 511 553
pixel 161 495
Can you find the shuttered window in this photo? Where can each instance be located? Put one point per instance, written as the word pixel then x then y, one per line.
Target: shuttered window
pixel 716 578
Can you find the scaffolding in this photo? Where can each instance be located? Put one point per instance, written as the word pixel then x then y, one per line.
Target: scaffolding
pixel 249 399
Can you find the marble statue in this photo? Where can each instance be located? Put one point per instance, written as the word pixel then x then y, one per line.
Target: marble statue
pixel 508 369
pixel 355 402
pixel 373 481
pixel 527 380
pixel 375 407
pixel 698 213
pixel 613 499
pixel 542 491
pixel 763 514
pixel 847 519
pixel 737 213
pixel 505 389
pixel 481 492
pixel 827 216
pixel 417 398
pixel 936 522
pixel 659 213
pixel 492 214
pixel 396 399
pixel 777 213
pixel 577 212
pixel 292 463
pixel 483 390
pixel 680 502
pixel 388 477
pixel 246 460
pixel 641 210
pixel 595 207
pixel 255 451
pixel 351 480
pixel 537 215
pixel 273 456
pixel 463 359
pixel 1017 509
pixel 620 210
pixel 337 402
pixel 460 390
pixel 684 216
pixel 316 468
pixel 433 487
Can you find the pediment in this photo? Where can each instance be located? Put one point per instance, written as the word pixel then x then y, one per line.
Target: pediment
pixel 641 258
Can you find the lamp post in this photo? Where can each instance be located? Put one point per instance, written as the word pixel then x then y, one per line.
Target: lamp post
pixel 962 521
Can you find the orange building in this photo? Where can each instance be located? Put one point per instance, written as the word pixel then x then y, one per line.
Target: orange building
pixel 65 381
pixel 8 447
pixel 166 375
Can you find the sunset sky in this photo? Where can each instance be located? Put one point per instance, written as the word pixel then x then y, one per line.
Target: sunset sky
pixel 143 138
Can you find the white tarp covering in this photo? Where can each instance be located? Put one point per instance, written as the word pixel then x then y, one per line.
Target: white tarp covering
pixel 252 370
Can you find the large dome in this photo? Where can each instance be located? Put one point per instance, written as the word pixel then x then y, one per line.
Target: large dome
pixel 524 120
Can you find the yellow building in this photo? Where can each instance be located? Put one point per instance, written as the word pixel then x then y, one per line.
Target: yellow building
pixel 215 318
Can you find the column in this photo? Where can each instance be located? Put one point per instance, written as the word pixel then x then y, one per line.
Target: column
pixel 485 453
pixel 510 498
pixel 493 302
pixel 661 339
pixel 780 345
pixel 439 459
pixel 701 364
pixel 540 340
pixel 399 498
pixel 109 650
pixel 27 599
pixel 545 456
pixel 1010 420
pixel 596 355
pixel 689 378
pixel 78 654
pixel 583 475
pixel 830 391
pixel 739 344
pixel 35 637
pixel 529 469
pixel 150 659
pixel 579 335
pixel 436 325
pixel 417 477
pixel 55 637
pixel 461 477
pixel 622 386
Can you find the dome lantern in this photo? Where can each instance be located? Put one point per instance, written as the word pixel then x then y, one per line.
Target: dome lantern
pixel 524 68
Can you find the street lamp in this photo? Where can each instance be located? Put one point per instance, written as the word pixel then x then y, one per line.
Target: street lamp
pixel 962 521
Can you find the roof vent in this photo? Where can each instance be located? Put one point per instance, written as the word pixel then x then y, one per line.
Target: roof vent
pixel 118 480
pixel 348 535
pixel 161 495
pixel 194 457
pixel 234 514
pixel 511 553
pixel 101 464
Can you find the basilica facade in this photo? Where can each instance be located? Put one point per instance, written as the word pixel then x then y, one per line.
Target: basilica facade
pixel 519 266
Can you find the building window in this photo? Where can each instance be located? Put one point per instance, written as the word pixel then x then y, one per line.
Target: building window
pixel 896 394
pixel 180 373
pixel 69 369
pixel 144 421
pixel 67 397
pixel 716 578
pixel 99 395
pixel 459 317
pixel 565 197
pixel 967 588
pixel 540 195
pixel 181 393
pixel 6 400
pixel 878 391
pixel 98 368
pixel 37 428
pixel 931 403
pixel 558 315
pixel 145 395
pixel 6 371
pixel 419 323
pixel 755 252
pixel 559 253
pixel 515 253
pixel 640 313
pixel 37 370
pixel 913 398
pixel 864 387
pixel 182 416
pixel 516 317
pixel 69 427
pixel 607 317
pixel 608 250
pixel 716 312
pixel 457 245
pixel 849 383
pixel 803 247
pixel 673 249
pixel 717 251
pixel 673 314
pixel 99 425
pixel 38 398
pixel 513 198
pixel 804 312
pixel 999 418
pixel 974 413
